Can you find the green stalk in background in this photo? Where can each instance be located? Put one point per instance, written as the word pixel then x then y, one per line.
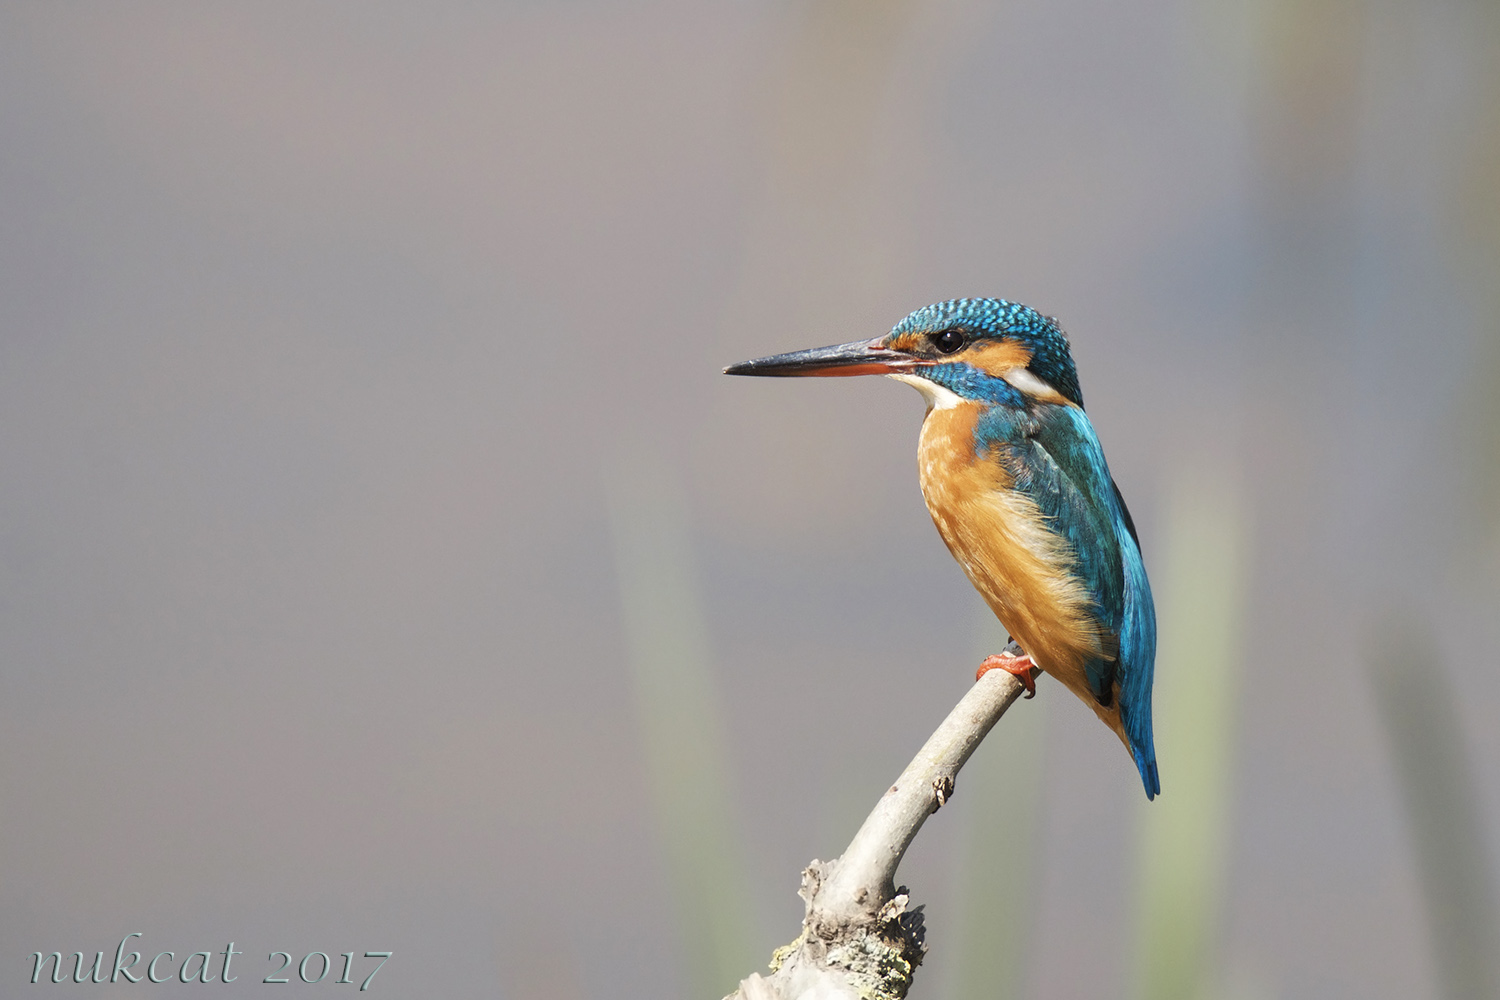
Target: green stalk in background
pixel 1200 588
pixel 680 719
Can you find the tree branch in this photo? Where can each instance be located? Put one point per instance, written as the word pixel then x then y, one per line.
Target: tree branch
pixel 859 939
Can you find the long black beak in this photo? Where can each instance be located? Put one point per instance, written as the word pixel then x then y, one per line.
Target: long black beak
pixel 863 357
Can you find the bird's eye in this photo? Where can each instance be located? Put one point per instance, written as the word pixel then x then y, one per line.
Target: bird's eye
pixel 948 341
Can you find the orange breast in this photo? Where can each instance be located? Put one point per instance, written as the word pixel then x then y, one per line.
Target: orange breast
pixel 1019 565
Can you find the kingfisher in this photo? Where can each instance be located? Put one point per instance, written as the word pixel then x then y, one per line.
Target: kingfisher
pixel 1016 482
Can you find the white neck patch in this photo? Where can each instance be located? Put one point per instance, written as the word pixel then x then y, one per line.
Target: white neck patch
pixel 1025 380
pixel 939 397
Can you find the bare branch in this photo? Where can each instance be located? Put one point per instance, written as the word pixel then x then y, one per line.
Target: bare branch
pixel 859 938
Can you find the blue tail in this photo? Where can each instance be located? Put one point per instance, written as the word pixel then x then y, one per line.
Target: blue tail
pixel 1147 766
pixel 1138 660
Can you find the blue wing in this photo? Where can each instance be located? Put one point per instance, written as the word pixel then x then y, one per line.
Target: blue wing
pixel 1055 458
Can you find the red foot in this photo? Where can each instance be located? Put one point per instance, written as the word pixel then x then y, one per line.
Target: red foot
pixel 1021 666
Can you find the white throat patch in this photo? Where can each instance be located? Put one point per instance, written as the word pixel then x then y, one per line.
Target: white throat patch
pixel 939 397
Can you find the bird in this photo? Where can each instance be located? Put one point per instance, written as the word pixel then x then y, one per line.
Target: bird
pixel 1017 484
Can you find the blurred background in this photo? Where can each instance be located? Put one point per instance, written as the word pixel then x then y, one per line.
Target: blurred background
pixel 386 566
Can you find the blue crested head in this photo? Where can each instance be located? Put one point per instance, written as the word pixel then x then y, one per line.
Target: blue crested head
pixel 989 349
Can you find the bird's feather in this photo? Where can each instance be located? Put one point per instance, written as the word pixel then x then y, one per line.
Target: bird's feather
pixel 1053 456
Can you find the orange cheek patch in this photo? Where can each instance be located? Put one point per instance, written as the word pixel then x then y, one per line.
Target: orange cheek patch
pixel 909 342
pixel 996 357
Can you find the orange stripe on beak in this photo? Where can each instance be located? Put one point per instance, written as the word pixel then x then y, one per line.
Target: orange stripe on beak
pixel 862 357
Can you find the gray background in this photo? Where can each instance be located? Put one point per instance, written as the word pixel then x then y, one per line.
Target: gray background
pixel 347 349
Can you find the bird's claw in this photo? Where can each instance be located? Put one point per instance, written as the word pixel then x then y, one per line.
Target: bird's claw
pixel 1022 667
